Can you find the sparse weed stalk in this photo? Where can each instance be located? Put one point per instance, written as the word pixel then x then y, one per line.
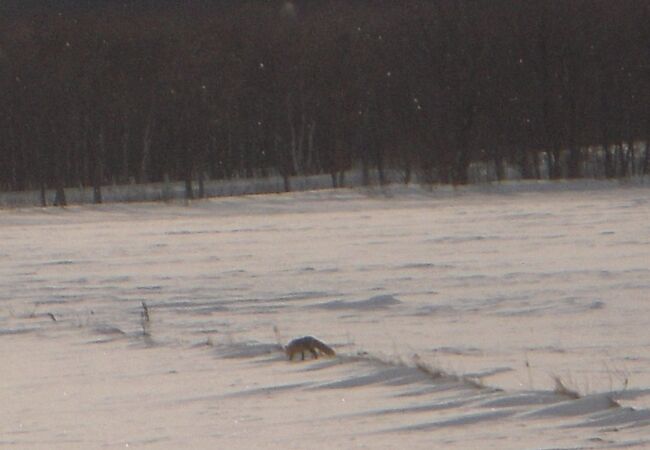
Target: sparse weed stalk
pixel 529 372
pixel 278 335
pixel 618 376
pixel 350 340
pixel 145 320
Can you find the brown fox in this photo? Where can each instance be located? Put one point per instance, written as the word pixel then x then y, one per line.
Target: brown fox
pixel 308 344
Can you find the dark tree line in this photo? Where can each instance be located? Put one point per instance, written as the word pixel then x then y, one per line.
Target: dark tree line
pixel 103 92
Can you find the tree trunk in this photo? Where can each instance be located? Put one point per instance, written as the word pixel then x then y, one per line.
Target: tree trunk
pixel 498 161
pixel 610 169
pixel 536 168
pixel 309 163
pixel 459 173
pixel 146 150
pixel 300 167
pixel 575 154
pixel 573 164
pixel 188 172
pixel 43 194
pixel 167 193
pixel 125 150
pixel 631 158
pixel 460 166
pixel 365 172
pixel 554 164
pixel 407 174
pixel 59 195
pixel 295 138
pixel 499 168
pixel 97 195
pixel 381 171
pixel 605 88
pixel 201 184
pixel 98 169
pixel 286 179
pixel 622 163
pixel 189 192
pixel 524 163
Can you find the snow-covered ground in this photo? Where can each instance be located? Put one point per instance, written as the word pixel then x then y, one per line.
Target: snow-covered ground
pixel 453 313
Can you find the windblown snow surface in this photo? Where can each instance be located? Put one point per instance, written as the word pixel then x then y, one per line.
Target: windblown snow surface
pixel 500 317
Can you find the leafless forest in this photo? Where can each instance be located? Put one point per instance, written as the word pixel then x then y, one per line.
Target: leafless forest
pixel 102 92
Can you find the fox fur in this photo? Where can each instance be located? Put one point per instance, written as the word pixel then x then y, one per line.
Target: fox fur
pixel 308 344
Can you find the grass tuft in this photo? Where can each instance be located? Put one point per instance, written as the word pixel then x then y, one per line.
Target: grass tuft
pixel 563 390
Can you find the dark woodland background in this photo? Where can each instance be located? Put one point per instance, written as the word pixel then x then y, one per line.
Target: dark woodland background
pixel 102 92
